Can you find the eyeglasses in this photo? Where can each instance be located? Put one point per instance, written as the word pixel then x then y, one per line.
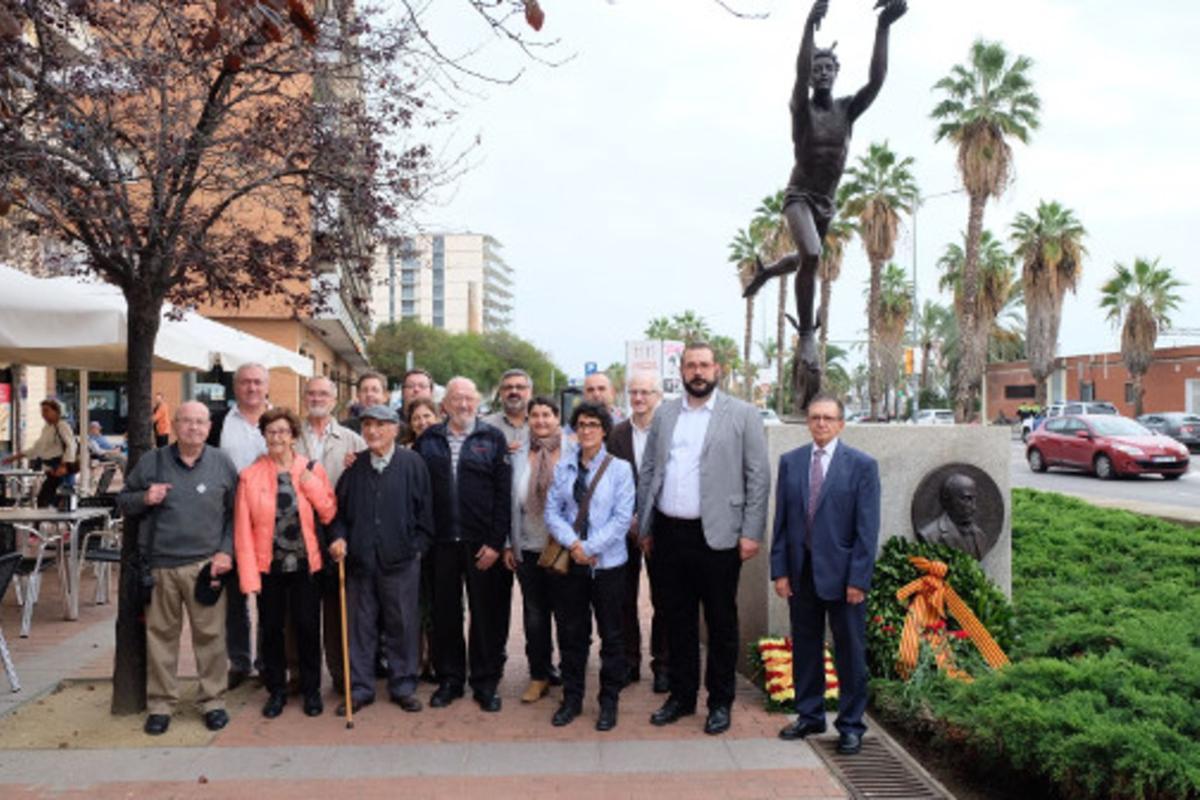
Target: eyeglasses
pixel 279 433
pixel 823 418
pixel 588 425
pixel 514 387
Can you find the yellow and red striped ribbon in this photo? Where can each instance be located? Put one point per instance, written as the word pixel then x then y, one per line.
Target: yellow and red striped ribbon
pixel 932 597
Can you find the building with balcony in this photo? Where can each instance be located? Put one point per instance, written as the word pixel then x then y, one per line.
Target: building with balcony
pixel 457 282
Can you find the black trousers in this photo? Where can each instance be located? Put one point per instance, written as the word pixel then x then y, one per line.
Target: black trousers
pixel 331 629
pixel 294 595
pixel 578 595
pixel 631 623
pixel 696 577
pixel 489 596
pixel 537 610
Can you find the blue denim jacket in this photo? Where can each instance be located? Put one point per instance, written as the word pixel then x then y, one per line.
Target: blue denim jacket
pixel 609 515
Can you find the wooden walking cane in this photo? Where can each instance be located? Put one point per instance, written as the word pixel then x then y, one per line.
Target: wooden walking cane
pixel 345 646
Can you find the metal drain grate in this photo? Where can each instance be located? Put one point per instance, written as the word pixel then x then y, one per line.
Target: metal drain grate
pixel 879 772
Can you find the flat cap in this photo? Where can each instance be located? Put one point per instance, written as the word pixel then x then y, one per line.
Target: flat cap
pixel 380 412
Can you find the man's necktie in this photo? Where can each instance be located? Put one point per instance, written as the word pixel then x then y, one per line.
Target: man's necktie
pixel 816 477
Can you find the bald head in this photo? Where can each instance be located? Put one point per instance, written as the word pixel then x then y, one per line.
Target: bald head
pixel 597 388
pixel 461 403
pixel 191 425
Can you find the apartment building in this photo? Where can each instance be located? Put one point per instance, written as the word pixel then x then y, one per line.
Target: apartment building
pixel 457 282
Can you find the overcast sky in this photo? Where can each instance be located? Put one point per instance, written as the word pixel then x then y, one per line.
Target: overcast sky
pixel 616 180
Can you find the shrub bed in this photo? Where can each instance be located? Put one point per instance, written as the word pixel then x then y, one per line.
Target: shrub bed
pixel 1103 697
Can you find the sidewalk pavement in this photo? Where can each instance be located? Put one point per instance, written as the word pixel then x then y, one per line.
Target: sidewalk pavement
pixel 454 752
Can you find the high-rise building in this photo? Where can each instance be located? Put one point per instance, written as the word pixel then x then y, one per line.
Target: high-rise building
pixel 454 281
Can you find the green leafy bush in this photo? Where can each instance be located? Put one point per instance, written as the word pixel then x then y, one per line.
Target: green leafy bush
pixel 1103 697
pixel 885 614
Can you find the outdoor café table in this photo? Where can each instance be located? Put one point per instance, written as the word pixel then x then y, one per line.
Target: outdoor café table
pixel 74 520
pixel 21 484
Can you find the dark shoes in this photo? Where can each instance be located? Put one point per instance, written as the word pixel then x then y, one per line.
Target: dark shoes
pixel 849 744
pixel 488 701
pixel 237 677
pixel 718 720
pixel 565 715
pixel 555 677
pixel 445 695
pixel 671 711
pixel 407 702
pixel 274 705
pixel 313 707
pixel 214 720
pixel 662 683
pixel 157 724
pixel 607 719
pixel 799 729
pixel 357 705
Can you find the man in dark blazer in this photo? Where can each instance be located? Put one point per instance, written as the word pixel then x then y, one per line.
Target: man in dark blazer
pixel 822 559
pixel 703 488
pixel 628 441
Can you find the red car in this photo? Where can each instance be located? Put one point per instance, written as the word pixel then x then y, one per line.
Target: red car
pixel 1106 445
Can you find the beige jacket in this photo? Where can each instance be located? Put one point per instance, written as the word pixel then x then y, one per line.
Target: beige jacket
pixel 339 441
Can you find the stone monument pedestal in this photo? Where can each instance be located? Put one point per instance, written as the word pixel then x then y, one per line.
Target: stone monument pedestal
pixel 906 454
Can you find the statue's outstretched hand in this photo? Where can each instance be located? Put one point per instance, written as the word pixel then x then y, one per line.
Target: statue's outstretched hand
pixel 819 10
pixel 892 11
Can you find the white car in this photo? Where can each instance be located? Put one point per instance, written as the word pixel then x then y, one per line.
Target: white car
pixel 934 416
pixel 1073 407
pixel 769 417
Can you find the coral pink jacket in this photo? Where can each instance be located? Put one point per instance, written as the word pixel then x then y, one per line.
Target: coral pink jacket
pixel 254 516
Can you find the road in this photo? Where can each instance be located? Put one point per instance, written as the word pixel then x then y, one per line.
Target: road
pixel 1180 498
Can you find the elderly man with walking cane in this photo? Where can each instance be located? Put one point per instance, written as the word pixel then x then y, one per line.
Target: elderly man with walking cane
pixel 384 524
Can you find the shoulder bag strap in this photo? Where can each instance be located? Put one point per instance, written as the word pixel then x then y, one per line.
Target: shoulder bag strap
pixel 581 519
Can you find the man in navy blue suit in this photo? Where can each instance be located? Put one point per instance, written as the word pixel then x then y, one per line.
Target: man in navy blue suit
pixel 822 559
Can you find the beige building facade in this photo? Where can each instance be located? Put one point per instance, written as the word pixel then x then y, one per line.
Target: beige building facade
pixel 457 282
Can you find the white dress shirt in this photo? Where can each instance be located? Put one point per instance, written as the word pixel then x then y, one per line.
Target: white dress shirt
pixel 680 497
pixel 242 441
pixel 826 459
pixel 640 435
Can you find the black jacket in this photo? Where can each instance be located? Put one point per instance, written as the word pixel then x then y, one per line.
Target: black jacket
pixel 476 508
pixel 386 518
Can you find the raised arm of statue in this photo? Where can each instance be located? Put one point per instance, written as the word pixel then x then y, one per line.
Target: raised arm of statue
pixel 804 59
pixel 892 11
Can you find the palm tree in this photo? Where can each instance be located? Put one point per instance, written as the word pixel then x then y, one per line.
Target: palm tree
pixel 725 352
pixel 691 327
pixel 743 252
pixel 987 101
pixel 931 327
pixel 838 379
pixel 895 308
pixel 660 328
pixel 1140 299
pixel 1050 246
pixel 771 228
pixel 995 284
pixel 1006 338
pixel 829 268
pixel 877 190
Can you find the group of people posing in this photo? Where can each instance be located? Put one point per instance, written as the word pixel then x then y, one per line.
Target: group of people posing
pixel 446 503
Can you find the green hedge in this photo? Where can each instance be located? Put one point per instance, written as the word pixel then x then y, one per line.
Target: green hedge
pixel 1103 697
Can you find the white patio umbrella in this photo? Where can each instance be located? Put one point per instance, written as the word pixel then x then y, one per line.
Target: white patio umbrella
pixel 74 324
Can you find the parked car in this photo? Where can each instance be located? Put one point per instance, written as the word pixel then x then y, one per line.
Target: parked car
pixel 934 416
pixel 1109 446
pixel 769 417
pixel 1061 409
pixel 1183 428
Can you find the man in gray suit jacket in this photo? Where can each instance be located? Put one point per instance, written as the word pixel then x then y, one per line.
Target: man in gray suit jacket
pixel 702 509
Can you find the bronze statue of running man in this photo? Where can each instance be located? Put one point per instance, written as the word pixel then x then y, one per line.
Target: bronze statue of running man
pixel 821 129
